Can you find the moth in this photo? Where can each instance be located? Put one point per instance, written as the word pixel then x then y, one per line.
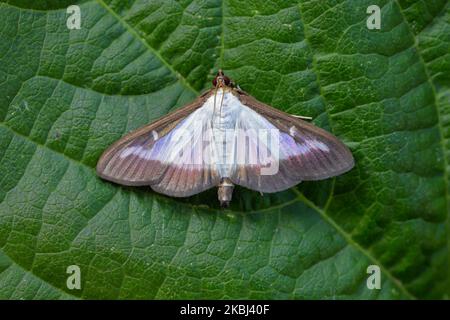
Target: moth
pixel 224 138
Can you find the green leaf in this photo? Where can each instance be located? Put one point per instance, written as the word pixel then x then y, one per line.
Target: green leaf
pixel 66 95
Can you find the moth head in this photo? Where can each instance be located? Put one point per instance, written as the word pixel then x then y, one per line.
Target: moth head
pixel 221 80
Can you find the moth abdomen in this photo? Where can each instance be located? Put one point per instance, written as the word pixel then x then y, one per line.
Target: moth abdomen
pixel 225 192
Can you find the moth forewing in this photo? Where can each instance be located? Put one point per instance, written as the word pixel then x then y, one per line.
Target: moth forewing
pixel 315 153
pixel 129 162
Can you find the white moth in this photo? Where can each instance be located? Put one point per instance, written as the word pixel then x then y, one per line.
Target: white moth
pixel 225 137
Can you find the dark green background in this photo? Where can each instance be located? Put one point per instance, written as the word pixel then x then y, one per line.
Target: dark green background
pixel 65 95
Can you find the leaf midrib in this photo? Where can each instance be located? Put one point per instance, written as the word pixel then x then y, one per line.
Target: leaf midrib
pixel 349 239
pixel 132 31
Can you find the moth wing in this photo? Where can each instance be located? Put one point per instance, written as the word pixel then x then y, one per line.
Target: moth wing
pixel 305 152
pixel 156 154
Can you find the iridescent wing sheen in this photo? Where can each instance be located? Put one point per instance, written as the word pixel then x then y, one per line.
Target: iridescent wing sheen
pixel 306 152
pixel 156 154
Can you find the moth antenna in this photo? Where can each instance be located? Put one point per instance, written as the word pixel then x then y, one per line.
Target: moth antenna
pixel 301 117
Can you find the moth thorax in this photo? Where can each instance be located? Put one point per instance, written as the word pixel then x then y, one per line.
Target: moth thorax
pixel 225 192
